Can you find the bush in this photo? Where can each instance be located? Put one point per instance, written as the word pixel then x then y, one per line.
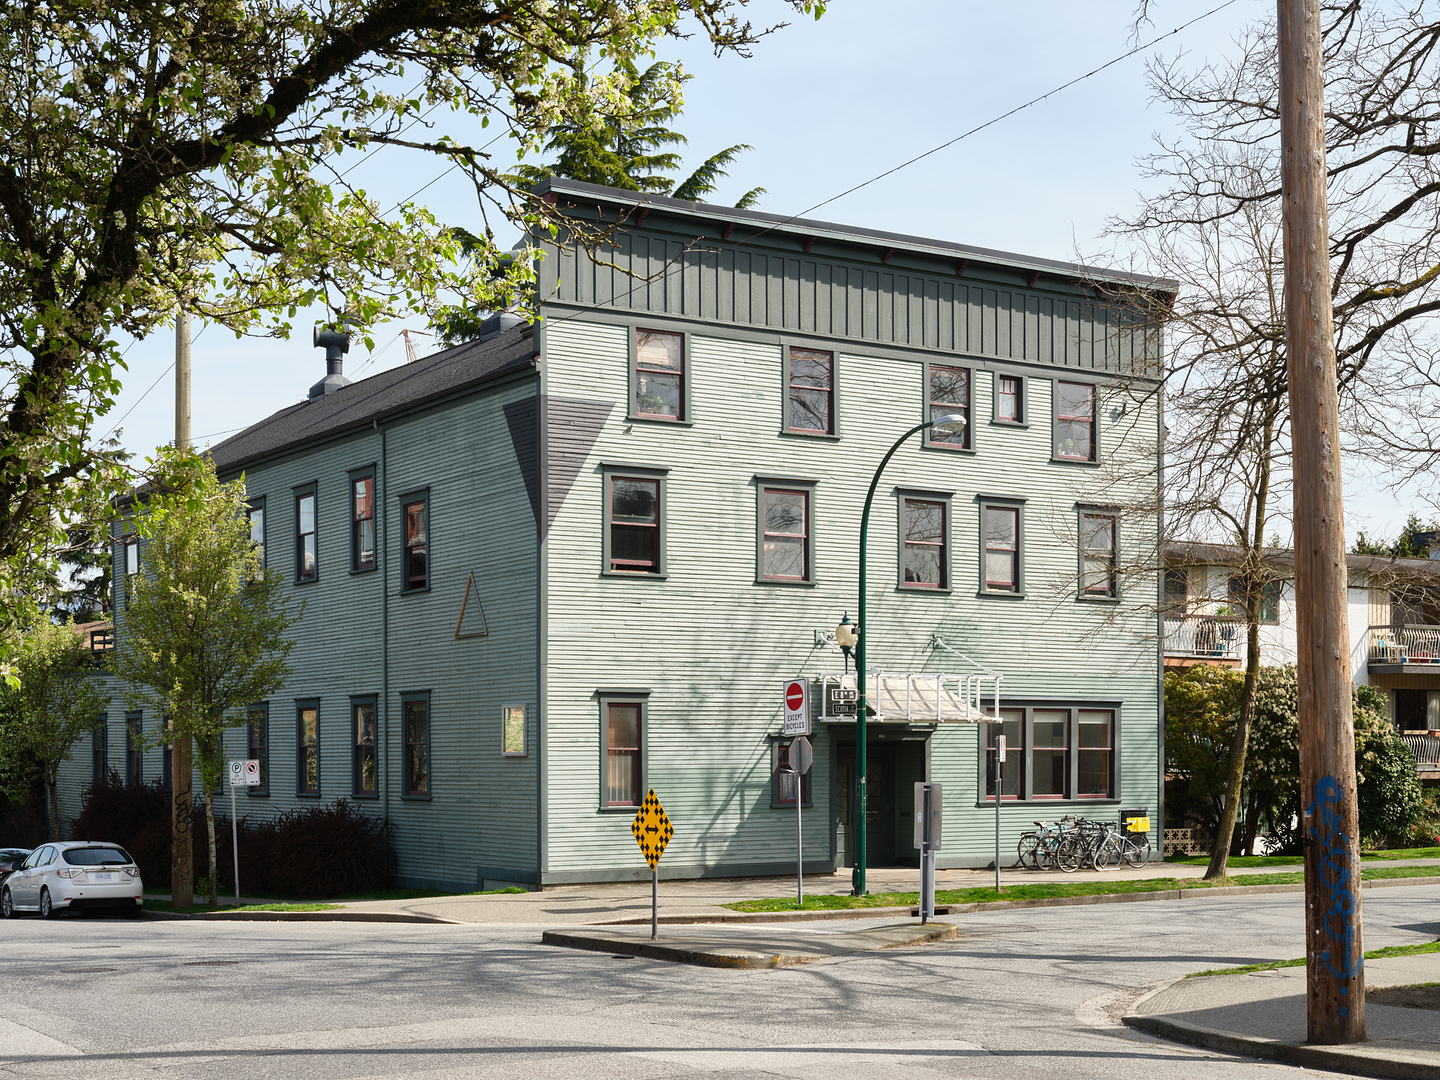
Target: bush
pixel 1389 795
pixel 327 851
pixel 111 810
pixel 22 824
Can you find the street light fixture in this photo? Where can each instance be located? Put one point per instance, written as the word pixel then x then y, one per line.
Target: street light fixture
pixel 949 423
pixel 846 636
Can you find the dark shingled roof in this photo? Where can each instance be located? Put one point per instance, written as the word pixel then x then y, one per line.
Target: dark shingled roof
pixel 379 396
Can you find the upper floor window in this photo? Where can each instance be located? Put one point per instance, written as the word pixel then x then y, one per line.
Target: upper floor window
pixel 1009 399
pixel 660 375
pixel 810 393
pixel 949 394
pixel 924 546
pixel 1002 548
pixel 417 529
pixel 1269 598
pixel 1075 421
pixel 132 556
pixel 255 516
pixel 1098 577
pixel 785 534
pixel 362 523
pixel 1177 591
pixel 634 524
pixel 306 552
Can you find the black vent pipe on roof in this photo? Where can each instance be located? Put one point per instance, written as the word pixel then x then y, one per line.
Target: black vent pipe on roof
pixel 336 345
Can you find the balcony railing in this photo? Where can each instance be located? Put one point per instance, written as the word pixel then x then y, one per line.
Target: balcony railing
pixel 1408 644
pixel 1426 748
pixel 1213 637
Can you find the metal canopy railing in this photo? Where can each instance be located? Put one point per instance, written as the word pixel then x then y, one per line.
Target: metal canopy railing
pixel 921 697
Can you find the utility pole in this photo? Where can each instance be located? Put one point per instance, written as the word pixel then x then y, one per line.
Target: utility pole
pixel 182 876
pixel 1334 953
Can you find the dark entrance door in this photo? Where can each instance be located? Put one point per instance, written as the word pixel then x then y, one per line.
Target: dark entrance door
pixel 879 804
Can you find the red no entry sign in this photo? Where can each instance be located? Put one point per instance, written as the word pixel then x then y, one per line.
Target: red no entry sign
pixel 794 696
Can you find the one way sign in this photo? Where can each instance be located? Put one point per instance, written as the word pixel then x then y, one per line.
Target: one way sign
pixel 652 829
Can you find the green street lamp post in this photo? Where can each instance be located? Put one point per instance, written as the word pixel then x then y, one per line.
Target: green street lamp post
pixel 949 423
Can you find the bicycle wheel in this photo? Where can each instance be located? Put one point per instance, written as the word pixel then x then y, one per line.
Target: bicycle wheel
pixel 1026 849
pixel 1069 854
pixel 1106 854
pixel 1137 851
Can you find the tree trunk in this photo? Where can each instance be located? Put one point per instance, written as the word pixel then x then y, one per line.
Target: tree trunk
pixel 182 848
pixel 52 791
pixel 1220 848
pixel 210 822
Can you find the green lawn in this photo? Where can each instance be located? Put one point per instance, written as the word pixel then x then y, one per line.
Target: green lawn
pixel 1377 954
pixel 1050 889
pixel 1292 860
pixel 198 907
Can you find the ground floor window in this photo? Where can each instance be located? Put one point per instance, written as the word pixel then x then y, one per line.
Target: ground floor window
pixel 623 721
pixel 99 751
pixel 134 751
pixel 258 747
pixel 1053 752
pixel 417 747
pixel 362 717
pixel 783 791
pixel 307 748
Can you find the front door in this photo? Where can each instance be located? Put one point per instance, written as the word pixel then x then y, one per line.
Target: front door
pixel 880 806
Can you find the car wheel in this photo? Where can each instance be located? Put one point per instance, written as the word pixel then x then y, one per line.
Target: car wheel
pixel 134 912
pixel 7 905
pixel 47 909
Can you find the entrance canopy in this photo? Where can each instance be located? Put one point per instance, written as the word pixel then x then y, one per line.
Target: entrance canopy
pixel 920 697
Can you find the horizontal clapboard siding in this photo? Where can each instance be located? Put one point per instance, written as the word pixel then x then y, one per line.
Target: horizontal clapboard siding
pixel 712 647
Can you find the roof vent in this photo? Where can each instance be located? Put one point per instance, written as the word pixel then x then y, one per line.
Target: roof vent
pixel 336 345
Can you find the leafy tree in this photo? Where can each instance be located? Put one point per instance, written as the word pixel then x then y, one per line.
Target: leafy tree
pixel 59 699
pixel 1408 545
pixel 205 623
pixel 1199 735
pixel 189 155
pixel 628 150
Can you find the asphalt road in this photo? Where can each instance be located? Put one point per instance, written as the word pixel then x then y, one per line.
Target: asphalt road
pixel 1022 994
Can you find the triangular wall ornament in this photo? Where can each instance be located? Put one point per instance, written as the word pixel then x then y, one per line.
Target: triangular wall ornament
pixel 472 614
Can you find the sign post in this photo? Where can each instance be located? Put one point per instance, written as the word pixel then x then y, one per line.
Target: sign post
pixel 242 774
pixel 999 760
pixel 652 831
pixel 927 839
pixel 802 756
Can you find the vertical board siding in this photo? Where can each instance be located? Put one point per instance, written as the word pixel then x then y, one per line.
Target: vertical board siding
pixel 712 647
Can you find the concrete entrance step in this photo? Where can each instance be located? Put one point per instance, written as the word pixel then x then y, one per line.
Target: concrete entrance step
pixel 750 946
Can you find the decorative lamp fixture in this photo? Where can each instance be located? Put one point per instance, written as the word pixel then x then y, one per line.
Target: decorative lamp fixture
pixel 846 635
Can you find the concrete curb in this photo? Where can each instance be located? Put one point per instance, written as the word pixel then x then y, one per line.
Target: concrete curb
pixel 1332 1058
pixel 737 956
pixel 338 915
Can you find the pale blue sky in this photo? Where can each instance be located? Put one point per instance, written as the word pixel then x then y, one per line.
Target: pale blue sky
pixel 827 105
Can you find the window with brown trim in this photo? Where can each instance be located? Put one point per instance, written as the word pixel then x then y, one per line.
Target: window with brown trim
pixel 1095 752
pixel 786 543
pixel 1075 421
pixel 925 562
pixel 1012 770
pixel 634 524
pixel 1097 555
pixel 659 375
pixel 949 393
pixel 1009 399
pixel 811 393
pixel 622 753
pixel 1050 753
pixel 416 520
pixel 362 523
pixel 1002 548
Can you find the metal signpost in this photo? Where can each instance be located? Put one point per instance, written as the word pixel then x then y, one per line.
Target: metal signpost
pixel 802 756
pixel 652 831
pixel 927 839
pixel 242 774
pixel 999 760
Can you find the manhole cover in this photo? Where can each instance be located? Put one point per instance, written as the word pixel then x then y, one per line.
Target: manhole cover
pixel 210 963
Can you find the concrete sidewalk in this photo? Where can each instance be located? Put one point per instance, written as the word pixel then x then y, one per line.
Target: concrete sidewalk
pixel 1262 1014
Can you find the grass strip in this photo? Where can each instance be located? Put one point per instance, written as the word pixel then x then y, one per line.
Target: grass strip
pixel 203 908
pixel 1275 965
pixel 1051 889
pixel 1295 860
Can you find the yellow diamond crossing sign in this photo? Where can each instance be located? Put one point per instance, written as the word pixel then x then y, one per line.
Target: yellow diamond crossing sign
pixel 652 829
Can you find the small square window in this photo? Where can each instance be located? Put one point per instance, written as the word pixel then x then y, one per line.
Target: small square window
pixel 417 747
pixel 785 534
pixel 659 375
pixel 948 394
pixel 362 523
pixel 1075 421
pixel 1098 575
pixel 307 554
pixel 924 546
pixel 512 731
pixel 366 780
pixel 307 749
pixel 622 752
pixel 1009 399
pixel 810 394
pixel 634 524
pixel 415 518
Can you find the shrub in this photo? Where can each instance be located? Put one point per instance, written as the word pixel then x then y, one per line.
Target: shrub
pixel 111 810
pixel 329 851
pixel 1389 794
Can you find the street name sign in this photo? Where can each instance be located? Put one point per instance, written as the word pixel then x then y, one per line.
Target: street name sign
pixel 652 829
pixel 843 701
pixel 797 708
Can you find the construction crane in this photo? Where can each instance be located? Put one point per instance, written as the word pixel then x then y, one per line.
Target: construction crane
pixel 410 356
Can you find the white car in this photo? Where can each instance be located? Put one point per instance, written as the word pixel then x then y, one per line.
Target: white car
pixel 74 875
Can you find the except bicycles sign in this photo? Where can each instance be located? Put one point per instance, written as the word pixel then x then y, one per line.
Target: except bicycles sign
pixel 797 708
